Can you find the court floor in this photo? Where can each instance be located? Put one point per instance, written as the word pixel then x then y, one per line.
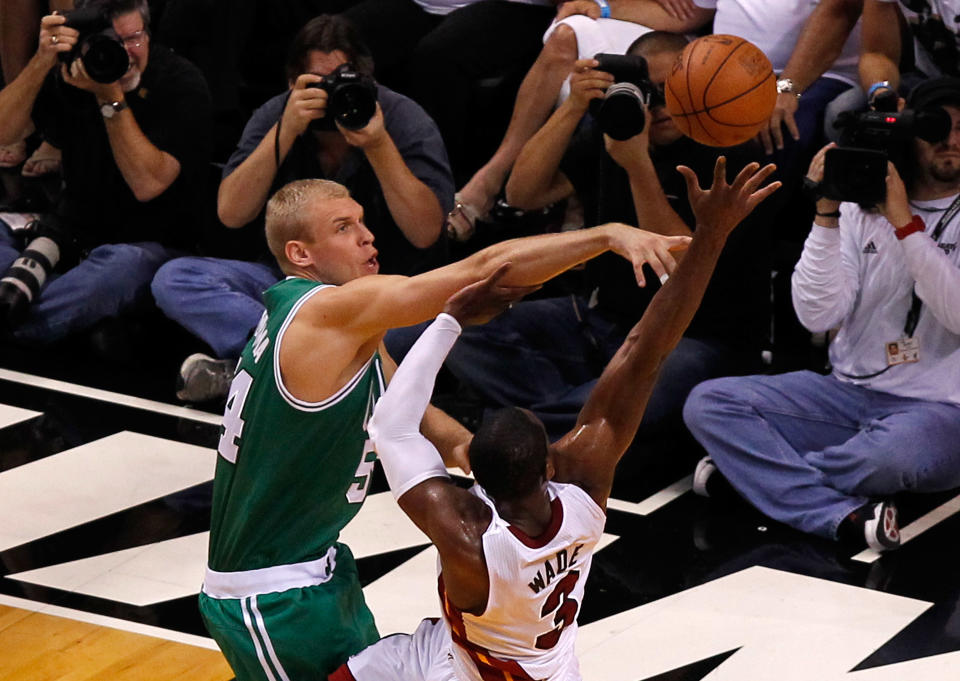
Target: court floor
pixel 104 514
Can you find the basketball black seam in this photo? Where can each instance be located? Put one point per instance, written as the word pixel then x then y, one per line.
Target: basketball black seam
pixel 713 77
pixel 749 89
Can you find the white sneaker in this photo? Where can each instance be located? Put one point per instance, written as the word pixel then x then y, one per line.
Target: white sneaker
pixel 705 468
pixel 882 531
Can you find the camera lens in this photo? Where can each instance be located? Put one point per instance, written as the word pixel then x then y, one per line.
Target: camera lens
pixel 104 58
pixel 622 113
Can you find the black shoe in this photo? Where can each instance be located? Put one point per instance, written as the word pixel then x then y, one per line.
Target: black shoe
pixel 203 378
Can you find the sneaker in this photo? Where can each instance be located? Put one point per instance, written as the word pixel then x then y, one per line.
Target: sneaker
pixel 705 469
pixel 203 378
pixel 880 528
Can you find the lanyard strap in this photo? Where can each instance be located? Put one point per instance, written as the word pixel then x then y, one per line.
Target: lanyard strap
pixel 913 316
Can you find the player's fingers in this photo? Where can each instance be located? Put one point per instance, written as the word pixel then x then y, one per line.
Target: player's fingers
pixel 747 172
pixel 498 274
pixel 666 257
pixel 758 177
pixel 693 184
pixel 761 194
pixel 678 243
pixel 720 171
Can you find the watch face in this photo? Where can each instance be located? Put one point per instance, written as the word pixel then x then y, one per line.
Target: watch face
pixel 107 110
pixel 785 85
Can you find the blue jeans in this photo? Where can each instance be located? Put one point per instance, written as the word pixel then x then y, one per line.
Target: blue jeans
pixel 807 449
pixel 546 355
pixel 219 301
pixel 112 279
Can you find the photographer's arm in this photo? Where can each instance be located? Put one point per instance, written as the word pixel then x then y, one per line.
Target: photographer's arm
pixel 654 212
pixel 536 180
pixel 413 205
pixel 650 13
pixel 244 192
pixel 18 97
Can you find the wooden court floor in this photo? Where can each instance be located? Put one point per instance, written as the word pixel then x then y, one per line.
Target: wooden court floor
pixel 39 647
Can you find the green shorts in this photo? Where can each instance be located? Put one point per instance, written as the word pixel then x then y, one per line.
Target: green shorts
pixel 301 633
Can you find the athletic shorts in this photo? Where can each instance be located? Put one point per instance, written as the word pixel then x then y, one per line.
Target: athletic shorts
pixel 296 634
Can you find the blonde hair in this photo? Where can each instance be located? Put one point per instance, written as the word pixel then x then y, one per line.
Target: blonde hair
pixel 286 212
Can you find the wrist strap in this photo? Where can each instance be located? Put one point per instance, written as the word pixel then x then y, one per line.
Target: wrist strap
pixel 604 8
pixel 832 214
pixel 878 86
pixel 915 225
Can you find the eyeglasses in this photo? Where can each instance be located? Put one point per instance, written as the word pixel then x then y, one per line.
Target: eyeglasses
pixel 134 39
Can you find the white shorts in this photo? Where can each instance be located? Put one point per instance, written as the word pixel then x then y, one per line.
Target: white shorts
pixel 428 654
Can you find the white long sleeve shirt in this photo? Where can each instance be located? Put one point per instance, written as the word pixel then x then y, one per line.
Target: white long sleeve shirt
pixel 861 278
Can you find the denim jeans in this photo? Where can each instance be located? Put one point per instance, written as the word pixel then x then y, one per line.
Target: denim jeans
pixel 220 301
pixel 546 355
pixel 112 279
pixel 807 449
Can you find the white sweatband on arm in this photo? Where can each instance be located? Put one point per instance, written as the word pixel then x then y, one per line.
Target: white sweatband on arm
pixel 408 458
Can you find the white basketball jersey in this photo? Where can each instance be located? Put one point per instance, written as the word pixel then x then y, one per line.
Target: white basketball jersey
pixel 529 626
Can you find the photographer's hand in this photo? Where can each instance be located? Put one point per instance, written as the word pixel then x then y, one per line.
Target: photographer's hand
pixel 55 38
pixel 305 104
pixel 372 135
pixel 76 75
pixel 824 206
pixel 586 84
pixel 896 206
pixel 632 151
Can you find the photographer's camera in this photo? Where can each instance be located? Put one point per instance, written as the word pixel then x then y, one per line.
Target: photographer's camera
pixel 351 99
pixel 103 55
pixel 622 113
pixel 47 245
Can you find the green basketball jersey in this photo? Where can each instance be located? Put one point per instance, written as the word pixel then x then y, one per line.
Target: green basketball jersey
pixel 290 474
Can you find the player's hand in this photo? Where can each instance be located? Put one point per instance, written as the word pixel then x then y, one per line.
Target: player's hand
pixel 372 135
pixel 459 457
pixel 483 300
pixel 587 8
pixel 305 104
pixel 896 205
pixel 587 84
pixel 678 9
pixel 815 174
pixel 723 206
pixel 641 248
pixel 55 38
pixel 771 135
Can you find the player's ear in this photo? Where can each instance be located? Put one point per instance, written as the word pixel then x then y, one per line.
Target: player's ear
pixel 297 253
pixel 550 468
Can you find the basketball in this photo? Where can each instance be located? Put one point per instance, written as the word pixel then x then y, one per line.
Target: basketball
pixel 721 90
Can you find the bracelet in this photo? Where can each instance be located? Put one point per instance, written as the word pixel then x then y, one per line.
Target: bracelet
pixel 604 8
pixel 880 84
pixel 915 225
pixel 834 214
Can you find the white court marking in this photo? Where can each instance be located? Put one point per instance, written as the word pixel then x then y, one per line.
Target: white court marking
pixel 12 415
pixel 88 482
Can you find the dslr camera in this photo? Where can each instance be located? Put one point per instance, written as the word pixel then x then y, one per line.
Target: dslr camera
pixel 49 242
pixel 622 112
pixel 98 48
pixel 856 170
pixel 351 99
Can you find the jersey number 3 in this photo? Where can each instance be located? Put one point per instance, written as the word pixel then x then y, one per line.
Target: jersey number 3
pixel 559 601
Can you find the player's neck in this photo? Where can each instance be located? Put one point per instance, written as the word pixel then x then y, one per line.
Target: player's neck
pixel 530 514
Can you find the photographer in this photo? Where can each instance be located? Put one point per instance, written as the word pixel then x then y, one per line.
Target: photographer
pixel 134 151
pixel 825 453
pixel 548 353
pixel 393 161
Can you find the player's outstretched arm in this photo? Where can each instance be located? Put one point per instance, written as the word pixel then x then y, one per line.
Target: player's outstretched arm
pixel 609 420
pixel 451 517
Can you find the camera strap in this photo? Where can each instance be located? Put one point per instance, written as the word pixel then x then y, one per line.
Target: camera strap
pixel 916 305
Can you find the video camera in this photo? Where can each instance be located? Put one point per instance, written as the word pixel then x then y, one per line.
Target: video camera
pixel 856 170
pixel 622 112
pixel 49 243
pixel 103 55
pixel 351 99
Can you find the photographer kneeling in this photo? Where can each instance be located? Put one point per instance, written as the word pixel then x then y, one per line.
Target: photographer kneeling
pixel 824 454
pixel 133 121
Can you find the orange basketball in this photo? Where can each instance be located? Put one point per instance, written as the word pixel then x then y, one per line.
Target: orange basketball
pixel 721 91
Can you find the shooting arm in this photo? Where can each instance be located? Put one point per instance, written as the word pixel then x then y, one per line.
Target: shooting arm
pixel 880 44
pixel 821 40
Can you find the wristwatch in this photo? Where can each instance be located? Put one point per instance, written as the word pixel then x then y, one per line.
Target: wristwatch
pixel 785 85
pixel 111 109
